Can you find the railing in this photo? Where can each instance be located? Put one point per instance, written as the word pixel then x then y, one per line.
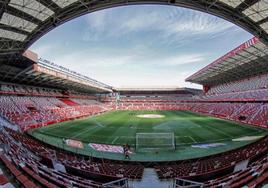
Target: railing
pixel 183 183
pixel 122 183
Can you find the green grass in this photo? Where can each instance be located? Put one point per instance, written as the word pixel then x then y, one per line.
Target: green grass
pixel 120 127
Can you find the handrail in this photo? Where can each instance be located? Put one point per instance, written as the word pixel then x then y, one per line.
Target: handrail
pixel 114 184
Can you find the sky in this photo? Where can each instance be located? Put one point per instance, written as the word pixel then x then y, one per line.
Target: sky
pixel 140 46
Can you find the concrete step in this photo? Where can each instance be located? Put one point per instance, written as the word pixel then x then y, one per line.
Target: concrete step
pixel 150 179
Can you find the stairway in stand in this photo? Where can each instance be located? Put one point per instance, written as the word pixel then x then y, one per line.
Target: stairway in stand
pixel 150 179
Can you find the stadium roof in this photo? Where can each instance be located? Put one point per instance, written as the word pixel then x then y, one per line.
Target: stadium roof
pixel 160 90
pixel 22 22
pixel 152 89
pixel 248 59
pixel 28 69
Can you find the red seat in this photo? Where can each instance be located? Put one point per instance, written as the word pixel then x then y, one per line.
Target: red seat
pixel 3 180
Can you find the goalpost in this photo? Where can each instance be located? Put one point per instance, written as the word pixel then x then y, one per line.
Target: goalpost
pixel 155 141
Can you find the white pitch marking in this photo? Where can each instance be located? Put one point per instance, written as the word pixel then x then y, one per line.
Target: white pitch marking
pixel 115 139
pixel 180 136
pixel 218 130
pixel 98 123
pixel 192 139
pixel 150 116
pixel 84 131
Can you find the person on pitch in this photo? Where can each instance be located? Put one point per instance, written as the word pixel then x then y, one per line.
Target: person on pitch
pixel 126 151
pixel 127 154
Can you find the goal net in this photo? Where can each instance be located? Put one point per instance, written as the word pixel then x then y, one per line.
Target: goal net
pixel 155 141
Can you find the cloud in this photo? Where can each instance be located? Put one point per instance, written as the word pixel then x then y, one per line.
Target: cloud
pixel 119 67
pixel 169 22
pixel 137 56
pixel 145 45
pixel 44 49
pixel 97 19
pixel 184 59
pixel 88 58
pixel 161 79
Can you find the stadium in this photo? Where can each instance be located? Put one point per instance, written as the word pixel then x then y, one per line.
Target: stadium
pixel 60 128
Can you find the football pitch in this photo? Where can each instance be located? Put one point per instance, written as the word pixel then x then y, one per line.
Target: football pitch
pixel 121 127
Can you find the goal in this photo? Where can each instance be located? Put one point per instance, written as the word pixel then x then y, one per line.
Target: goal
pixel 155 141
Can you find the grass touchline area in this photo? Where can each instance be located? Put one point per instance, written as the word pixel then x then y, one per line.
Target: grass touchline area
pixel 121 127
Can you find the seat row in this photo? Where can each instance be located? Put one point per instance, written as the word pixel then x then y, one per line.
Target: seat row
pixel 28 170
pixel 210 165
pixel 31 112
pixel 253 176
pixel 77 162
pixel 253 83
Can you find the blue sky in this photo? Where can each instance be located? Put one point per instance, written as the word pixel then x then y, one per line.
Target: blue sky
pixel 144 46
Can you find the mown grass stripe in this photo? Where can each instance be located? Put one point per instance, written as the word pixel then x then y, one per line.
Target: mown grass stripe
pixel 119 127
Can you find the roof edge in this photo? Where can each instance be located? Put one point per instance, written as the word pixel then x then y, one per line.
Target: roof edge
pixel 231 53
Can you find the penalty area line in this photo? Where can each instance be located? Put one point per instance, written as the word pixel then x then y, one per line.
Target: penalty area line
pixel 222 132
pixel 115 139
pixel 84 131
pixel 192 139
pixel 181 136
pixel 98 123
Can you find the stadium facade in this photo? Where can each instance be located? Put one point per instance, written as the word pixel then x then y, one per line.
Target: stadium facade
pixel 36 93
